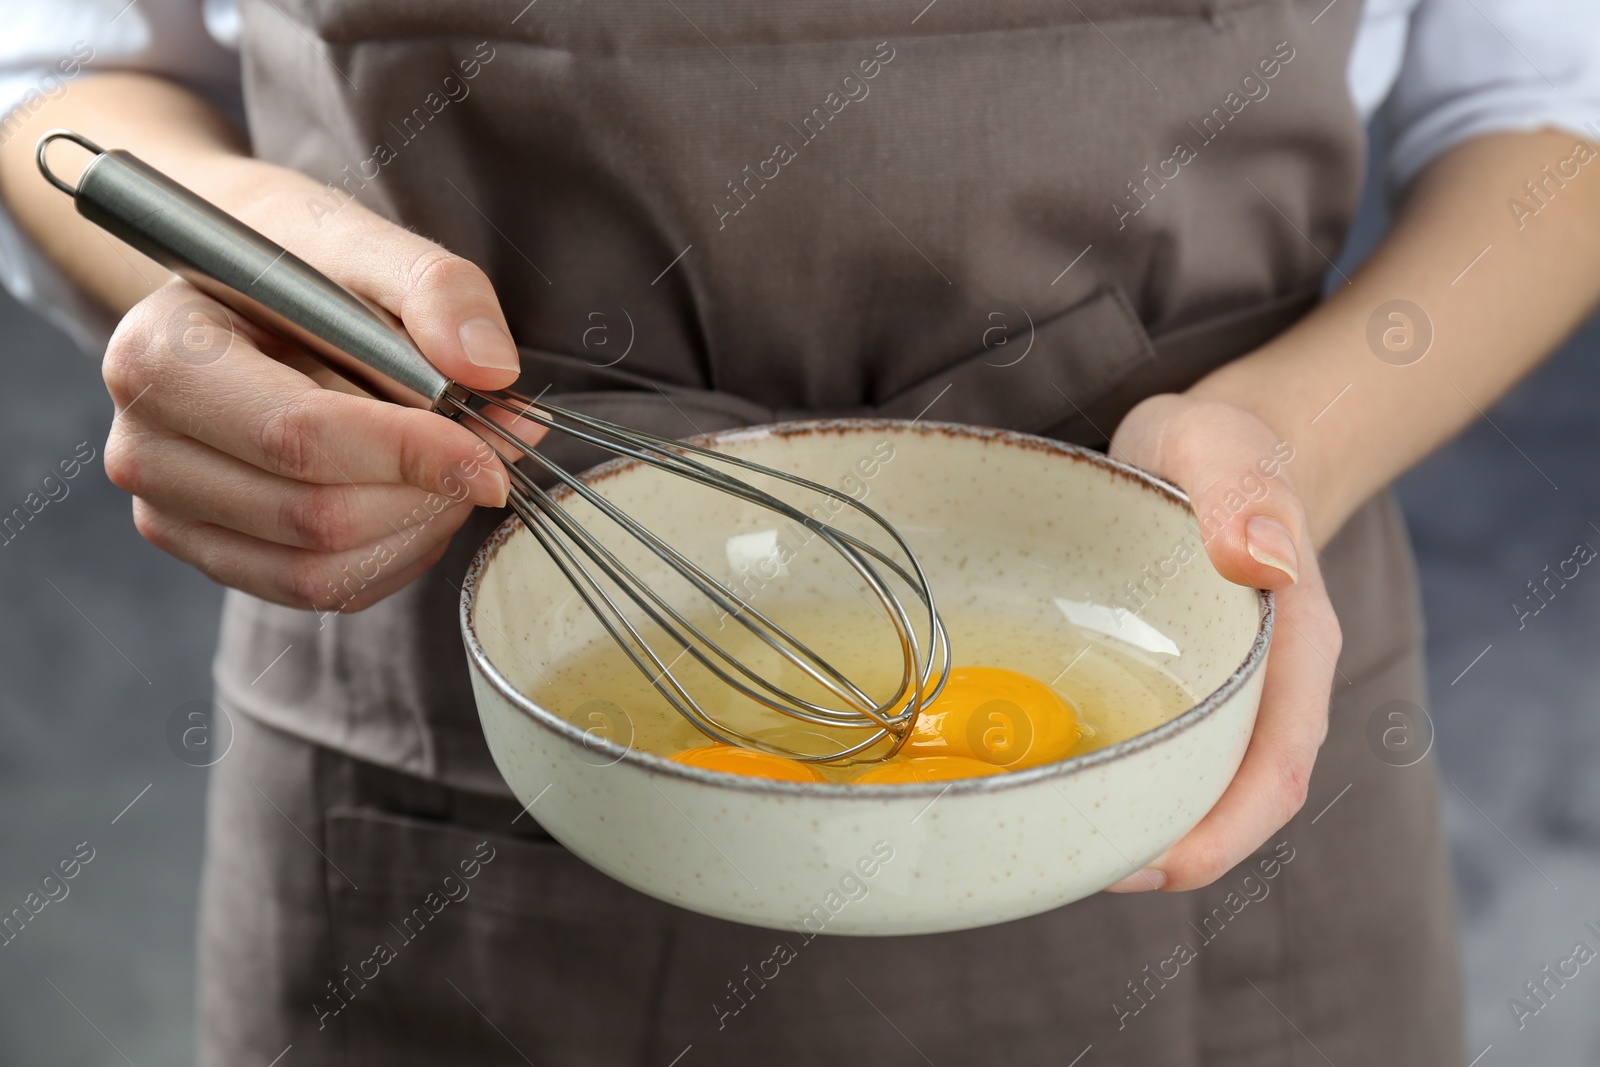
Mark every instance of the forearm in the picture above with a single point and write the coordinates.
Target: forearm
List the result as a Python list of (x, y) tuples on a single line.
[(1357, 421), (156, 119)]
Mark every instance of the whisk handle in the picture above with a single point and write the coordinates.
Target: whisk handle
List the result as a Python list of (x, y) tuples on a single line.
[(250, 274)]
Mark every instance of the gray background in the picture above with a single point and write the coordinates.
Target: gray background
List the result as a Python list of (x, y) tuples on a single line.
[(102, 637)]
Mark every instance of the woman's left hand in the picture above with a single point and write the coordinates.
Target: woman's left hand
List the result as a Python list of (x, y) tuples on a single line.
[(1221, 455)]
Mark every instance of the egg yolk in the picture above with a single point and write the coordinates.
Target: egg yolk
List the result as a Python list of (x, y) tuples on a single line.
[(986, 720), (730, 759), (926, 769), (995, 715)]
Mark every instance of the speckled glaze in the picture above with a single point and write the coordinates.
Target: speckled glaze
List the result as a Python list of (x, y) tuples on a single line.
[(984, 509)]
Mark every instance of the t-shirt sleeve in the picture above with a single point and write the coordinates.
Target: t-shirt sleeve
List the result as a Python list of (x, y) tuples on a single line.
[(1473, 67), (46, 48)]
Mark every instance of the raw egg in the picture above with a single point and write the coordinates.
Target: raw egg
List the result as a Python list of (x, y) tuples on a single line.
[(986, 720), (730, 759), (998, 716), (900, 771)]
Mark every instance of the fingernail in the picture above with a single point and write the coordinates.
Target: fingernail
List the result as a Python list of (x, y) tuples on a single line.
[(487, 487), (1141, 881), (488, 346), (1269, 542)]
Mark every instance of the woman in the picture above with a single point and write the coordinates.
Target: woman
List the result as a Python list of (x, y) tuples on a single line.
[(817, 209)]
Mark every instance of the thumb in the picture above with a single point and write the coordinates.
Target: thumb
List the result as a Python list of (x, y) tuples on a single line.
[(1235, 470), (1256, 540), (446, 302)]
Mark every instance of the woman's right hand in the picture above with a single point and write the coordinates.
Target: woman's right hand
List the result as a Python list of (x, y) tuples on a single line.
[(250, 462)]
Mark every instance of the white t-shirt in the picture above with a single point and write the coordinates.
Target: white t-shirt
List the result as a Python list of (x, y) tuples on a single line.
[(1448, 70)]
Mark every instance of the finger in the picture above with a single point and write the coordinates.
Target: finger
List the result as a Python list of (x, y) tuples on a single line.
[(1236, 474), (1270, 786), (189, 480), (254, 408), (445, 302), (1254, 536), (295, 577)]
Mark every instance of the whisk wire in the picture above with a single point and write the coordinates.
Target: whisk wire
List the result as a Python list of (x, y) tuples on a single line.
[(890, 718), (658, 673), (641, 592), (724, 598), (582, 582), (656, 450)]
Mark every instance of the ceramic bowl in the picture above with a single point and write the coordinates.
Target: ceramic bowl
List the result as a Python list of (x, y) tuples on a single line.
[(993, 516)]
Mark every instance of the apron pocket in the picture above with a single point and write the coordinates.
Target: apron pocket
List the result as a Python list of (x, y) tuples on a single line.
[(1066, 363), (453, 945)]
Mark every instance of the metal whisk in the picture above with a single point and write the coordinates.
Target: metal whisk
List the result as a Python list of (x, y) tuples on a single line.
[(260, 280)]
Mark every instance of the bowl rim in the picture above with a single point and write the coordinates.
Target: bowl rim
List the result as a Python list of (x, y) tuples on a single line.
[(1203, 709)]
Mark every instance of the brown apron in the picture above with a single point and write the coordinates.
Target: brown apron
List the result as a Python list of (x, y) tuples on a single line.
[(700, 216)]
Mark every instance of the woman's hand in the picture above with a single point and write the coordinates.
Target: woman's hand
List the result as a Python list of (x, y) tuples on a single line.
[(264, 471), (1487, 327), (1218, 454)]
